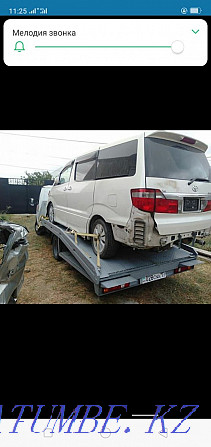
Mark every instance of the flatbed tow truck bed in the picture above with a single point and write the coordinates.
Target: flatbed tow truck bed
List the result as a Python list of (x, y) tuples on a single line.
[(127, 269)]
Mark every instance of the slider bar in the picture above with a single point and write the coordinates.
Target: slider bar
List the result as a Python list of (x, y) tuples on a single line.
[(102, 46)]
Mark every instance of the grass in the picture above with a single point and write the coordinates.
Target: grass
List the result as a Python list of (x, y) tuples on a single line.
[(47, 281), (5, 216)]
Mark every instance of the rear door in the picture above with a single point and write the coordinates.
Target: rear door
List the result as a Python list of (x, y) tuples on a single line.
[(179, 171), (80, 193), (118, 171)]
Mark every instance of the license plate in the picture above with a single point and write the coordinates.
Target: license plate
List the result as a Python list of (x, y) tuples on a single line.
[(191, 204), (153, 277)]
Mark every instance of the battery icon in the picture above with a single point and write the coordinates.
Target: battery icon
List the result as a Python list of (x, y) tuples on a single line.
[(195, 10)]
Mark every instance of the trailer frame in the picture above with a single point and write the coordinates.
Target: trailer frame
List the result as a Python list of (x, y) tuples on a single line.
[(129, 268)]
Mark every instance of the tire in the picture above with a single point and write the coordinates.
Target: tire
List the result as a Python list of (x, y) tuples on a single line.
[(108, 246), (39, 230), (51, 213), (56, 248), (13, 299)]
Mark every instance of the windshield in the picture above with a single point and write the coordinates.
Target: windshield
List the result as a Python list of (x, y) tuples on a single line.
[(168, 159)]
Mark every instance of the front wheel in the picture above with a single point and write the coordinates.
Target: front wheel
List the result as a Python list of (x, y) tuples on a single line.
[(51, 213), (39, 229), (107, 245)]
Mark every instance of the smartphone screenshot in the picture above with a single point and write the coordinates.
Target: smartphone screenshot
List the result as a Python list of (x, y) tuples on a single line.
[(79, 80), (105, 199)]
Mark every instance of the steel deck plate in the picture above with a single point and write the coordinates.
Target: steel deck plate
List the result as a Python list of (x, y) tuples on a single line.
[(136, 263)]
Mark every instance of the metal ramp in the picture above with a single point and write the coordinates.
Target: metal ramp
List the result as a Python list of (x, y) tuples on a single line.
[(128, 268)]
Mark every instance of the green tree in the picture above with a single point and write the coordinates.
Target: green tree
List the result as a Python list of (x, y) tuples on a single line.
[(37, 178)]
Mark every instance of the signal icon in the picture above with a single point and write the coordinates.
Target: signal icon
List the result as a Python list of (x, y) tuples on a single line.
[(33, 11)]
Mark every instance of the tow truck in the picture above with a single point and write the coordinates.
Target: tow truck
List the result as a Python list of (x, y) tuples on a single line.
[(129, 268)]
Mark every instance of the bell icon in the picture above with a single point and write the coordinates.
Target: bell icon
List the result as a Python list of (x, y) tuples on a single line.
[(19, 46)]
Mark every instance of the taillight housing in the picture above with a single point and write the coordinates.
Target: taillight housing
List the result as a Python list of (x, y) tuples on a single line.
[(207, 206), (153, 200), (188, 140), (183, 269), (112, 289), (143, 199)]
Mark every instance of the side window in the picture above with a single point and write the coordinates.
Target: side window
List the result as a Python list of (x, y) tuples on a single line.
[(65, 175), (85, 170), (117, 161)]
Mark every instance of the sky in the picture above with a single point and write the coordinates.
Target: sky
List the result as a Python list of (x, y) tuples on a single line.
[(50, 150)]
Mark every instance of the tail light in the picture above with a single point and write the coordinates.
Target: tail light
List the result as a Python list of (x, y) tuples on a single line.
[(183, 269), (152, 200), (143, 199), (120, 287), (206, 205), (188, 140)]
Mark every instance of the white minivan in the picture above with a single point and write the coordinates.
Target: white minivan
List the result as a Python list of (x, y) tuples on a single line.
[(147, 191)]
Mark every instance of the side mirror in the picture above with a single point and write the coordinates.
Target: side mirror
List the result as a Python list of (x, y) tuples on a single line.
[(56, 181)]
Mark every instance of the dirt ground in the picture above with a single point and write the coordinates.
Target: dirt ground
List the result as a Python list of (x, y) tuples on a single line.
[(47, 281)]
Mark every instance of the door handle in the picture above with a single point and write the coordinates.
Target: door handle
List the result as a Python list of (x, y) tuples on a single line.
[(67, 189)]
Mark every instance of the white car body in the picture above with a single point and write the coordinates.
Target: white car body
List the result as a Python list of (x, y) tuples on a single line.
[(155, 170), (43, 201)]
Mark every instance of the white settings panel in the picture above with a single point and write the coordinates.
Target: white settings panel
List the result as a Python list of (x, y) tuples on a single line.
[(105, 42)]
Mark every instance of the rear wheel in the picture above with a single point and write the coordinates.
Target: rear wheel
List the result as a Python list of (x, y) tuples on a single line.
[(107, 245), (13, 299), (56, 248)]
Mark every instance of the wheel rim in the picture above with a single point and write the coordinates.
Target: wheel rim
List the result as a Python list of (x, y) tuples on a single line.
[(51, 214), (99, 229)]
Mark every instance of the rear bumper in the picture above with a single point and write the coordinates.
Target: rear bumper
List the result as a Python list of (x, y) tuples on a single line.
[(167, 224), (146, 239), (145, 233)]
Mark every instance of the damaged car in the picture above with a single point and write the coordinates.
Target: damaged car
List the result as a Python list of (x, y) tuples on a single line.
[(13, 257), (147, 192)]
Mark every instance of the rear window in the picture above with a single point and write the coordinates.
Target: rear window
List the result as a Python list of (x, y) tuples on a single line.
[(117, 161), (167, 159)]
